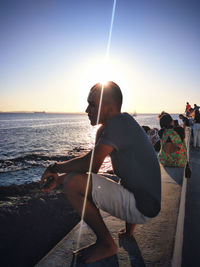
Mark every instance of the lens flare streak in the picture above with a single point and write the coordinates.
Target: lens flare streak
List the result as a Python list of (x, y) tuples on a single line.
[(97, 122)]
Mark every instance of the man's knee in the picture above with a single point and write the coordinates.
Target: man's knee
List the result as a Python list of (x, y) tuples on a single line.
[(75, 182)]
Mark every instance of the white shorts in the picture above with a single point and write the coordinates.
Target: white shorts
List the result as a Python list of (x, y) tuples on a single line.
[(116, 200)]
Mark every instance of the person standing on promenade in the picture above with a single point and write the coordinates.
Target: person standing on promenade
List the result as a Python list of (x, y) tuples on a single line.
[(187, 109), (196, 107), (196, 129), (137, 197)]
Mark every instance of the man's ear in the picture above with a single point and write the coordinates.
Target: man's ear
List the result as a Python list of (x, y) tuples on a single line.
[(110, 109)]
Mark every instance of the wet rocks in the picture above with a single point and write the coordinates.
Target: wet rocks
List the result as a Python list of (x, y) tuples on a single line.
[(32, 222)]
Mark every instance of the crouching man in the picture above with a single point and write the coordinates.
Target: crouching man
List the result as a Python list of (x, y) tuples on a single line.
[(137, 198)]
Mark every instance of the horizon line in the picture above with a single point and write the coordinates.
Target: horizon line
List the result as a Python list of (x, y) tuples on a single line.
[(82, 113)]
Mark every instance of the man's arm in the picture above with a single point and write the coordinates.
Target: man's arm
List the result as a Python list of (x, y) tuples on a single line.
[(80, 164)]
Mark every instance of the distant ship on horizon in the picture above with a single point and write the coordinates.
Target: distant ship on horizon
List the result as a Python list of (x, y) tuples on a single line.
[(39, 112)]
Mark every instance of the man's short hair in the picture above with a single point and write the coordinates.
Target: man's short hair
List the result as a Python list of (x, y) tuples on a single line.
[(111, 91)]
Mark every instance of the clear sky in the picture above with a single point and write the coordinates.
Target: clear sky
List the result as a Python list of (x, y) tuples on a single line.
[(53, 51)]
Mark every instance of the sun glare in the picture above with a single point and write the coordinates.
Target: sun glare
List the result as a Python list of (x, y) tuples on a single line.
[(102, 71)]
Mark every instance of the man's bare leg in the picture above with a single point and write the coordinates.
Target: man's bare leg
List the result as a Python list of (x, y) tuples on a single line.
[(105, 246), (127, 231)]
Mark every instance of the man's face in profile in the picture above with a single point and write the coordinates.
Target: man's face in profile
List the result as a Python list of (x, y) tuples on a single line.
[(93, 106)]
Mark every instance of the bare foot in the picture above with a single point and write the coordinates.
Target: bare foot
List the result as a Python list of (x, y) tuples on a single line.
[(96, 252)]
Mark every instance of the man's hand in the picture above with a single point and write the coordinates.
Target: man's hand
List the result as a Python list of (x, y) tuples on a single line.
[(44, 180)]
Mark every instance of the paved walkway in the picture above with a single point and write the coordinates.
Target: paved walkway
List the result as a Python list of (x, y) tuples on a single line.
[(191, 241)]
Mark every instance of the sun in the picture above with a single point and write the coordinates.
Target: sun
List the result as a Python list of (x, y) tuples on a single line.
[(101, 70)]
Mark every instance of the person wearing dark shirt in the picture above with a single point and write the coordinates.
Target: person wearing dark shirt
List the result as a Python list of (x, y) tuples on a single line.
[(196, 107), (196, 129), (136, 199)]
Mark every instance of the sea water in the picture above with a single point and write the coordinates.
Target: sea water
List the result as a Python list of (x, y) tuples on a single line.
[(29, 142)]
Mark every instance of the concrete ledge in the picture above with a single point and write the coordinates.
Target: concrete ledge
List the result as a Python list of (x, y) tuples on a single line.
[(178, 244)]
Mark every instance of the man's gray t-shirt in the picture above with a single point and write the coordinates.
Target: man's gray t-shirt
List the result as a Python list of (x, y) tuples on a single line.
[(134, 161)]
